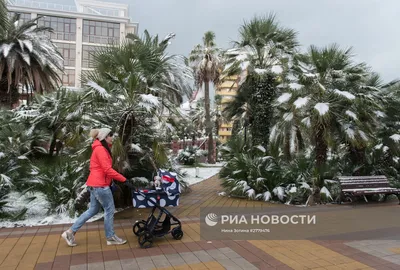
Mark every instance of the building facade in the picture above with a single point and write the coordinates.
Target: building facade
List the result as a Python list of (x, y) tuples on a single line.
[(78, 30), (226, 90)]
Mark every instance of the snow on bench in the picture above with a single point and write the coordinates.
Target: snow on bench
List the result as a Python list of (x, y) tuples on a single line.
[(352, 186)]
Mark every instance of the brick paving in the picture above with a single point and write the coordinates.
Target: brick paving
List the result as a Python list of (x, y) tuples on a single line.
[(43, 248)]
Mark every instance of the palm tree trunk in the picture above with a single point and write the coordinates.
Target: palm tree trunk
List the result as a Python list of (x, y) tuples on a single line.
[(245, 134), (210, 155), (321, 149), (262, 110), (357, 156)]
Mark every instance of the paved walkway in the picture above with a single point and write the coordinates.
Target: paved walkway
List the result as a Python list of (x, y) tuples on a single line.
[(43, 248)]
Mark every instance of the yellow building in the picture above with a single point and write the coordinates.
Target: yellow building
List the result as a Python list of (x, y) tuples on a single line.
[(227, 90)]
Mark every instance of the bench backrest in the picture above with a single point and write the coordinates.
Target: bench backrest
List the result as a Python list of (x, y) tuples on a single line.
[(359, 182)]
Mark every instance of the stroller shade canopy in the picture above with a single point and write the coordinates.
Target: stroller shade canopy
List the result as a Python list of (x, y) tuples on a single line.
[(168, 196)]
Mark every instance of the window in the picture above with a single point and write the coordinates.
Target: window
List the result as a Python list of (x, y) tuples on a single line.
[(101, 32), (64, 28), (87, 55), (68, 51), (23, 17), (68, 78)]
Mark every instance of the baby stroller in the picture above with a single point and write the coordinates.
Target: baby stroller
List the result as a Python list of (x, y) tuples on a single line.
[(166, 194)]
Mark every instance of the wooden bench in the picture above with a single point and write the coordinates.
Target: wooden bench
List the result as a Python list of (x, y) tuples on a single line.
[(357, 186)]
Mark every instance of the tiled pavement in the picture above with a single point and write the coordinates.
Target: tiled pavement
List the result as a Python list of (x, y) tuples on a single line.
[(43, 248)]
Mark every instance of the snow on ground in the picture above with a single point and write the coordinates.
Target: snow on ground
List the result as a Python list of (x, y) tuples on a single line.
[(36, 214), (204, 173)]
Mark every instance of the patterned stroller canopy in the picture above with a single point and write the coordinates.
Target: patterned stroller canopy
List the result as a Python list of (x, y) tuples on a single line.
[(169, 184)]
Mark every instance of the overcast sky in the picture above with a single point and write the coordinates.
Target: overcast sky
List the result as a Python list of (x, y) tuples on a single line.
[(371, 27)]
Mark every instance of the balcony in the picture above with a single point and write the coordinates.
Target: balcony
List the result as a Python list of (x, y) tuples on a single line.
[(225, 93), (228, 84), (62, 36), (100, 39), (41, 5), (82, 6), (226, 125), (224, 133)]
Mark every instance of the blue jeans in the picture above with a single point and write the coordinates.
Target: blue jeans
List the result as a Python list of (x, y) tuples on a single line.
[(99, 196)]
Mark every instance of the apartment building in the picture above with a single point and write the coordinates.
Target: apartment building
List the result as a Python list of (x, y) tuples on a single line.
[(227, 90), (78, 30)]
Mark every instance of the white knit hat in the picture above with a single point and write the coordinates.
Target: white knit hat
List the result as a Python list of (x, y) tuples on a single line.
[(100, 134)]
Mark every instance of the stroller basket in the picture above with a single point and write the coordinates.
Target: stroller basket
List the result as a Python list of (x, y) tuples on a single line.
[(167, 196)]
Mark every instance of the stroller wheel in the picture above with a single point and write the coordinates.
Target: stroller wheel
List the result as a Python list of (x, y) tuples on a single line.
[(177, 234), (138, 227), (145, 239)]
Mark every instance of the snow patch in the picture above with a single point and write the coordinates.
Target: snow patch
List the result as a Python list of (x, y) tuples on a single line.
[(326, 192), (306, 121), (251, 193), (351, 114), (345, 94), (350, 132), (395, 137), (100, 90), (260, 71), (287, 117), (363, 135), (267, 196), (149, 101), (322, 108), (284, 97), (300, 102), (136, 147), (280, 192), (380, 114), (295, 86), (305, 185), (204, 173), (261, 148), (379, 146), (277, 69)]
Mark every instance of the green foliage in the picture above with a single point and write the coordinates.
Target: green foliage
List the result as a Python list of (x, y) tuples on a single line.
[(190, 155), (59, 184), (28, 57)]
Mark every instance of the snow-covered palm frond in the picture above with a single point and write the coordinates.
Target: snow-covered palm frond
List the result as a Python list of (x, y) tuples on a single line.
[(279, 192), (98, 89), (149, 102)]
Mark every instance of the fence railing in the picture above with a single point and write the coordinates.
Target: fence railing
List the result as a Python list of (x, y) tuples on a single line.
[(41, 5), (112, 12)]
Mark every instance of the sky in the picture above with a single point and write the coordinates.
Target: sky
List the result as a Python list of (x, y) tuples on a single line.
[(369, 26)]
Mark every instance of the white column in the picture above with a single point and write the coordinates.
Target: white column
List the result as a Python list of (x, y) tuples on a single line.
[(78, 60), (33, 16), (122, 31)]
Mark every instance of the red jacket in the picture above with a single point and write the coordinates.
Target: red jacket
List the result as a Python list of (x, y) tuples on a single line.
[(101, 171)]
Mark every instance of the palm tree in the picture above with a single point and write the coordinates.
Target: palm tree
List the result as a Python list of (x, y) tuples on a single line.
[(59, 115), (28, 58), (261, 56), (325, 103), (205, 60), (132, 83)]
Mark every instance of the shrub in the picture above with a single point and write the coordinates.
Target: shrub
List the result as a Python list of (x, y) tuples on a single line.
[(190, 155), (60, 184)]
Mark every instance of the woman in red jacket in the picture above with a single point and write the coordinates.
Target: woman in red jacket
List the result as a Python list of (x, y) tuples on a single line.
[(98, 184)]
